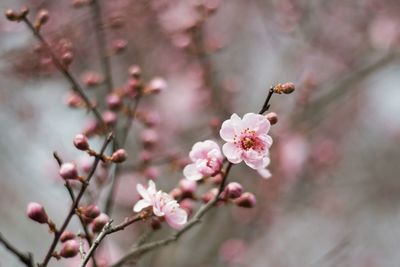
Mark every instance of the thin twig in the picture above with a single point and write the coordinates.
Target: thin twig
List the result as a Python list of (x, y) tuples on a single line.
[(124, 135), (72, 195), (107, 229), (26, 258), (102, 44), (75, 204), (75, 85)]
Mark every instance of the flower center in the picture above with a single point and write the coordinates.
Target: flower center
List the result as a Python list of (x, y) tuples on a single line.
[(248, 143)]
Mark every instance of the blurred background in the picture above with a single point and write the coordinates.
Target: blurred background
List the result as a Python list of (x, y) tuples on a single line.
[(334, 197)]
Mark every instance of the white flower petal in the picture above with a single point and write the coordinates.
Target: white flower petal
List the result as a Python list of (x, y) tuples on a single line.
[(232, 152), (140, 205), (191, 173)]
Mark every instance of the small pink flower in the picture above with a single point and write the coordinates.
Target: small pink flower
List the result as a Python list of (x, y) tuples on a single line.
[(163, 205), (247, 139), (207, 160)]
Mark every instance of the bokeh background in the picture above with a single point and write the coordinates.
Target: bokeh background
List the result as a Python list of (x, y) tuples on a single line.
[(334, 198)]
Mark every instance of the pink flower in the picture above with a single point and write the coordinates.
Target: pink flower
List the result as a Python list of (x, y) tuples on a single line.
[(247, 139), (163, 205), (207, 160)]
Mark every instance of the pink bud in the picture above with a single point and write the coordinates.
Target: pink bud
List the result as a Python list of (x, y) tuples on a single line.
[(73, 100), (149, 137), (135, 71), (91, 128), (43, 16), (217, 179), (67, 235), (99, 222), (176, 193), (246, 200), (272, 117), (188, 187), (114, 102), (81, 142), (119, 156), (68, 171), (119, 45), (37, 213), (91, 211), (151, 119), (233, 190), (146, 156), (187, 205), (69, 249), (109, 117), (67, 58), (151, 172), (91, 79), (209, 195), (157, 85)]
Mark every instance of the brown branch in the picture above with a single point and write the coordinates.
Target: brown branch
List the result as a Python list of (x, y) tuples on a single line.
[(75, 204), (107, 229), (67, 74), (26, 258), (72, 195), (131, 117)]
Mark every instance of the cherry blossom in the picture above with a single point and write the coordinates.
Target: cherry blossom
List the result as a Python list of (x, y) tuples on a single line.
[(247, 140), (207, 160), (163, 205)]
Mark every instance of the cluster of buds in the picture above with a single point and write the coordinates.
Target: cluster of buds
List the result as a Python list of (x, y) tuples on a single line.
[(13, 15)]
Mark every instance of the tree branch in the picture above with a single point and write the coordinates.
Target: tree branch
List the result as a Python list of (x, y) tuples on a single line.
[(26, 258), (75, 204)]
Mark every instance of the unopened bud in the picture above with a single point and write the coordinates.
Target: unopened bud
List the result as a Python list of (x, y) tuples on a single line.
[(36, 212), (119, 45), (68, 171), (109, 117), (91, 211), (67, 58), (99, 222), (135, 71), (119, 156), (188, 187), (69, 249), (23, 12), (156, 85), (151, 173), (176, 193), (73, 100), (149, 137), (272, 117), (187, 205), (42, 17), (114, 101), (81, 142), (91, 79), (11, 15), (210, 195), (246, 200), (67, 235), (286, 88), (233, 190)]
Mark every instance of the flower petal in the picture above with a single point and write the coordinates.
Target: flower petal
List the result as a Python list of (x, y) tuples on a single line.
[(140, 205), (232, 152), (264, 173), (191, 173)]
